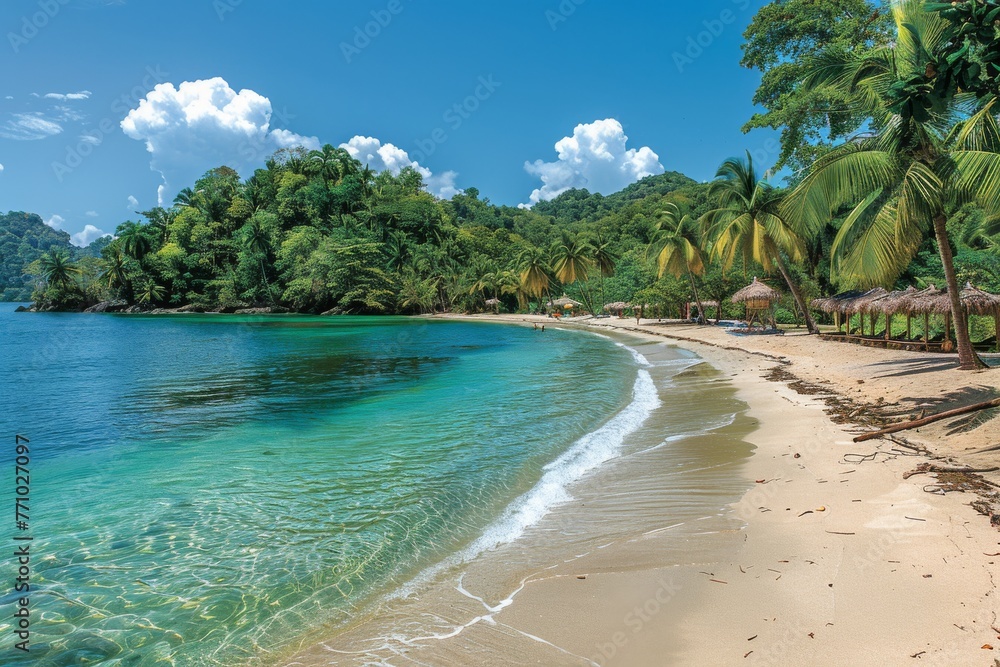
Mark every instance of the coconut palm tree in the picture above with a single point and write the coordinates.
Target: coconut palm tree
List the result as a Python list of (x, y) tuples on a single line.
[(57, 269), (534, 272), (927, 152), (572, 262), (675, 245), (604, 260), (258, 241), (151, 293), (134, 239), (749, 224)]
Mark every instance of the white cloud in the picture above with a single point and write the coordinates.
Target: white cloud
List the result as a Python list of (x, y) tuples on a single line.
[(199, 125), (388, 157), (87, 236), (132, 204), (596, 158), (91, 214), (29, 127), (1, 168), (55, 222), (82, 95), (90, 139)]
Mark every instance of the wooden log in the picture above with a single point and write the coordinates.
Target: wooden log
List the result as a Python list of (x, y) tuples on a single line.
[(906, 426)]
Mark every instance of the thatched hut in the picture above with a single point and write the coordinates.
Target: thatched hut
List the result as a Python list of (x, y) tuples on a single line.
[(759, 300), (865, 305), (617, 308), (836, 305), (564, 303), (974, 301), (892, 304)]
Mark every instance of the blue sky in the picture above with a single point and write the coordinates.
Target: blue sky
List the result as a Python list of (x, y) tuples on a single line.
[(523, 74)]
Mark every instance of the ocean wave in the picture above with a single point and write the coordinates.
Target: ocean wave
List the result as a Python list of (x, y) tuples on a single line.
[(586, 454)]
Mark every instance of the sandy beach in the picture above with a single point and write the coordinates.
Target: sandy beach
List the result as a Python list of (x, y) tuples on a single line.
[(830, 557)]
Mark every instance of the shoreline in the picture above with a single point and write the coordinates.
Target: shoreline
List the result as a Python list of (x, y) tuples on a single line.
[(843, 561)]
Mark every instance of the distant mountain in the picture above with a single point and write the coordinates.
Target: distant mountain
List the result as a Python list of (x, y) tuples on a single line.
[(23, 239), (574, 205)]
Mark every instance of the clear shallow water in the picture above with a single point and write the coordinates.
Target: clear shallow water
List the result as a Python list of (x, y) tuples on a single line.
[(206, 489)]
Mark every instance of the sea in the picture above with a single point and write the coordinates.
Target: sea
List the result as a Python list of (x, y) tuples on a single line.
[(206, 490)]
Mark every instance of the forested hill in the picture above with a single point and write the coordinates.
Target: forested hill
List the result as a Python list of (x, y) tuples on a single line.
[(23, 239), (228, 242), (575, 205)]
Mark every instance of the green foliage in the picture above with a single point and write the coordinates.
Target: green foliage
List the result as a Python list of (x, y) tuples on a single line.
[(782, 38)]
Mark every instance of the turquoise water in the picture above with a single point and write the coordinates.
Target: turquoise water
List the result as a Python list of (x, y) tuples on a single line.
[(207, 489)]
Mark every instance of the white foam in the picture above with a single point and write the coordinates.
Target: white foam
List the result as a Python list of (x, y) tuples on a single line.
[(584, 456)]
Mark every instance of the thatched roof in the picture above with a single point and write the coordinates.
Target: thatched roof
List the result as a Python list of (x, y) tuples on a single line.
[(978, 302), (705, 304), (756, 291), (892, 303), (921, 302), (836, 304), (493, 302), (975, 301), (564, 301), (617, 306), (866, 302)]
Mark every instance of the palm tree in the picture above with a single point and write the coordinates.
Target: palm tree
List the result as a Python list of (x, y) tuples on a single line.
[(604, 260), (572, 262), (116, 273), (151, 293), (534, 272), (57, 268), (749, 224), (258, 241), (676, 247), (927, 152), (135, 242)]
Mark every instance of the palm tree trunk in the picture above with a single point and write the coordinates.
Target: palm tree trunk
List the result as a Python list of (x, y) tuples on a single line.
[(263, 274), (796, 294), (697, 298), (967, 358)]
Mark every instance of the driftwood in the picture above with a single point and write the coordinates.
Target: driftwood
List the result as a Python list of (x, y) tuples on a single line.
[(927, 467), (906, 426)]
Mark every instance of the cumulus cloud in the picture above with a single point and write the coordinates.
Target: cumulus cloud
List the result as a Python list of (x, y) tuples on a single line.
[(388, 157), (82, 95), (132, 203), (55, 222), (1, 168), (199, 125), (29, 127), (87, 236), (596, 158)]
